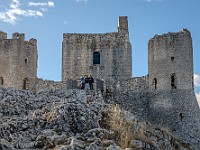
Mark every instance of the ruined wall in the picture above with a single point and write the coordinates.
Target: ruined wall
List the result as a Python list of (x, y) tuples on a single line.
[(166, 102), (43, 84), (18, 61), (115, 55), (177, 110), (136, 84), (132, 95)]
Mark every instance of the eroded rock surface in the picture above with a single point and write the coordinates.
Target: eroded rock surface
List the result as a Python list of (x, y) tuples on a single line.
[(74, 120)]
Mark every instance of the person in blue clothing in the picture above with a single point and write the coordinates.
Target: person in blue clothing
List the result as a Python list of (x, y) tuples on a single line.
[(83, 82)]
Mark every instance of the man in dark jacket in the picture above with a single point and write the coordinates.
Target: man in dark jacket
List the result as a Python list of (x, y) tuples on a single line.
[(91, 81)]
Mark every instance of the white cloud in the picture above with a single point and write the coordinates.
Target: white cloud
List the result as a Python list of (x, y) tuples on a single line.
[(14, 11), (197, 80), (198, 98), (48, 4)]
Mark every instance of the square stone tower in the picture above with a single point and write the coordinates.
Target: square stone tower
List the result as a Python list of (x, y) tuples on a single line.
[(107, 57), (170, 61), (172, 101), (18, 62)]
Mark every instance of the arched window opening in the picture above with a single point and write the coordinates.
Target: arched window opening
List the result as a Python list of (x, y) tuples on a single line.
[(96, 58), (155, 83), (1, 81), (26, 60), (25, 84), (173, 85)]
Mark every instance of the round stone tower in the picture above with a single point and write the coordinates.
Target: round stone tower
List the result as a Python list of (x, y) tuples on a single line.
[(172, 101)]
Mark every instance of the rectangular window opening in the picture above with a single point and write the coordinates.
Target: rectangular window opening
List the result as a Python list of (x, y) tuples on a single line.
[(96, 58)]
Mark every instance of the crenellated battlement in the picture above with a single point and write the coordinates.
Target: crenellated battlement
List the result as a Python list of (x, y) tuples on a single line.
[(19, 36), (32, 42), (16, 36)]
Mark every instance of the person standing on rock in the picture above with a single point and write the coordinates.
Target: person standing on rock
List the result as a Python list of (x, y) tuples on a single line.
[(87, 86), (91, 81), (82, 82)]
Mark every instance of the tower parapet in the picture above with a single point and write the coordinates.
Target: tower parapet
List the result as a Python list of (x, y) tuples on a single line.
[(32, 42), (17, 35)]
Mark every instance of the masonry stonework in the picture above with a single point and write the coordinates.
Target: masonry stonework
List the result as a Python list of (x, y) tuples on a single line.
[(172, 101), (18, 61), (170, 61), (115, 56), (164, 97)]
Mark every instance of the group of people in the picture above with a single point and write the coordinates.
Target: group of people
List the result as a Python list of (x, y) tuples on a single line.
[(87, 82)]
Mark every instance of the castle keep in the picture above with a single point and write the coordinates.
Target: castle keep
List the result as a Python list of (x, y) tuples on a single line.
[(107, 57), (165, 96)]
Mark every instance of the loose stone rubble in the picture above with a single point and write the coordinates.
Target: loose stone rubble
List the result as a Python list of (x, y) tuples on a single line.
[(74, 120)]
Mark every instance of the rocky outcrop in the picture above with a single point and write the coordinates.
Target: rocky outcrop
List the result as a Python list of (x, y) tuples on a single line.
[(132, 133), (74, 120)]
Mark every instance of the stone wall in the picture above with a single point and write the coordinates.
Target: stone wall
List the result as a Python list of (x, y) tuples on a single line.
[(172, 101), (132, 95), (177, 110), (43, 84), (170, 55), (115, 55), (136, 84), (18, 61)]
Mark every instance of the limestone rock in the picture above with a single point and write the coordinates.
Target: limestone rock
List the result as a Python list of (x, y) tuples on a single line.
[(66, 119)]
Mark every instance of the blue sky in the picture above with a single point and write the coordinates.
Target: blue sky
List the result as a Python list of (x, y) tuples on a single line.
[(48, 20)]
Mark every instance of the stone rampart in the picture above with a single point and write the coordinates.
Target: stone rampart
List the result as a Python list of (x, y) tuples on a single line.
[(43, 84), (136, 84), (132, 95)]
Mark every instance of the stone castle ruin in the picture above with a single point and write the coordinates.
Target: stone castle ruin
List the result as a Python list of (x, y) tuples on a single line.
[(165, 96), (18, 61), (107, 57)]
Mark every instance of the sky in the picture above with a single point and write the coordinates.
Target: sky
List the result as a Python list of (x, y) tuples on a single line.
[(47, 20)]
